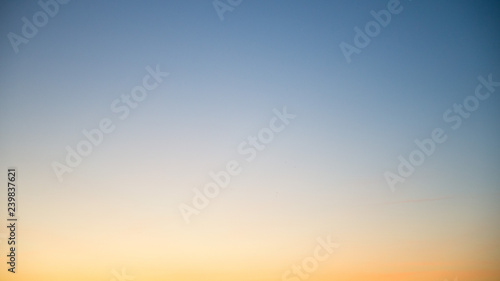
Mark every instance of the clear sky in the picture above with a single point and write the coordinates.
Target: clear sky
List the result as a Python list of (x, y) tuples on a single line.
[(323, 174)]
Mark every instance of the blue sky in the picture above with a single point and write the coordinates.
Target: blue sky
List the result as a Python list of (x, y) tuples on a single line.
[(353, 119)]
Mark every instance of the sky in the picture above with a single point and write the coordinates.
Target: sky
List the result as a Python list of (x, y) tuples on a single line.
[(175, 92)]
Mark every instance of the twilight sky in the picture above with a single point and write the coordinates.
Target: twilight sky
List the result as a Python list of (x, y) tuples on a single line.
[(321, 175)]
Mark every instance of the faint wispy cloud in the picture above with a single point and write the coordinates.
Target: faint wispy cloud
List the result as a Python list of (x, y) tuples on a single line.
[(416, 200)]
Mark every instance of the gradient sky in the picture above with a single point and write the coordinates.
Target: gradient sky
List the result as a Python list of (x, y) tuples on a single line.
[(323, 175)]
